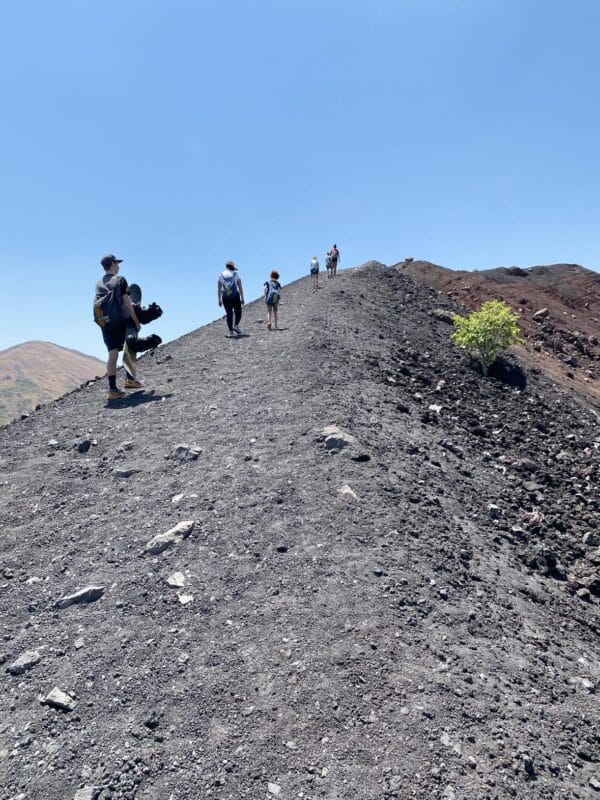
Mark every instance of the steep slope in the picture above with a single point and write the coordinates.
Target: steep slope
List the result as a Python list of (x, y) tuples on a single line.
[(559, 307), (38, 372), (414, 614)]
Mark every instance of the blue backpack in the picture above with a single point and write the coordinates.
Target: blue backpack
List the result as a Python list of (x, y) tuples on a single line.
[(108, 303), (229, 287), (273, 293)]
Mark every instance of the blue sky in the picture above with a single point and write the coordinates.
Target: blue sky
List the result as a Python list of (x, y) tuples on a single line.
[(181, 134)]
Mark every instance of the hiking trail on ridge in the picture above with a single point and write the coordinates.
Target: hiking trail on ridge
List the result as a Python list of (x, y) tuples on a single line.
[(380, 579)]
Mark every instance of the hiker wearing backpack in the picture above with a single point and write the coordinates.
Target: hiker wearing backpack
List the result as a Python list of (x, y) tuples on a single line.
[(113, 310), (230, 293), (334, 255), (314, 272), (272, 297)]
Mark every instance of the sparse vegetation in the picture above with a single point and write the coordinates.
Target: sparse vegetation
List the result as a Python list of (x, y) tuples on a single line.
[(487, 332)]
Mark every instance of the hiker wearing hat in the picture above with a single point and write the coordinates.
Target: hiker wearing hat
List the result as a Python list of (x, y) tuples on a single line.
[(113, 309), (230, 294)]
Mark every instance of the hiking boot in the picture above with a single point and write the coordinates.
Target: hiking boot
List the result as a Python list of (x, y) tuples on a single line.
[(131, 383), (115, 394), (268, 326), (236, 329)]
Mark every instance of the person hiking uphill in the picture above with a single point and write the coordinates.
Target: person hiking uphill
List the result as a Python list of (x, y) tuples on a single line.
[(314, 272), (112, 311), (272, 294), (334, 256), (230, 294)]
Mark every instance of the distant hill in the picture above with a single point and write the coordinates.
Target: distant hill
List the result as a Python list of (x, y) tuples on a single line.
[(38, 372), (559, 306)]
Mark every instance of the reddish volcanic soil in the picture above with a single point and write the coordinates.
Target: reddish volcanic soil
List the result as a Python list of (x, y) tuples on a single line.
[(564, 342)]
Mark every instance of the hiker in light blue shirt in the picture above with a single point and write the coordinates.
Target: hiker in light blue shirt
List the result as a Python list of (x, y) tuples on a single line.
[(314, 272)]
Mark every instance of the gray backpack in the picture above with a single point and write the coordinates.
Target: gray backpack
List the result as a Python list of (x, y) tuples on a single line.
[(108, 303)]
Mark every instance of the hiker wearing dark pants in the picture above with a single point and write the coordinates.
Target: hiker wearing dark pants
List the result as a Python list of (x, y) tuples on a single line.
[(230, 294)]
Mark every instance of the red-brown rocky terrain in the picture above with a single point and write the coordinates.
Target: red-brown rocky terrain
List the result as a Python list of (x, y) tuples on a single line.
[(329, 562), (559, 307)]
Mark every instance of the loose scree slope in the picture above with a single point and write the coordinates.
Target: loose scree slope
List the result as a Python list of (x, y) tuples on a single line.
[(403, 607)]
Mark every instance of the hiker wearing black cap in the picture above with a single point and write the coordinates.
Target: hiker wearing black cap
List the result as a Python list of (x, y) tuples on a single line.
[(113, 309), (230, 294)]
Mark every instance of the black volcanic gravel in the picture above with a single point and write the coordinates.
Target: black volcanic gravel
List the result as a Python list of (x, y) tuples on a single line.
[(414, 615)]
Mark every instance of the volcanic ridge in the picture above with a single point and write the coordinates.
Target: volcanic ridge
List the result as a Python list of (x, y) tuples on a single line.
[(330, 561)]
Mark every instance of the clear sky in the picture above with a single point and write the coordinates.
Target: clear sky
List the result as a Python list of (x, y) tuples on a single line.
[(179, 134)]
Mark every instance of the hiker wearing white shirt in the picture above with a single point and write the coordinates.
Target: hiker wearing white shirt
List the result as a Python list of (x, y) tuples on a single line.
[(314, 272)]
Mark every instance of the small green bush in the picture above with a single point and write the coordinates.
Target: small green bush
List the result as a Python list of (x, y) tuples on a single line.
[(487, 332)]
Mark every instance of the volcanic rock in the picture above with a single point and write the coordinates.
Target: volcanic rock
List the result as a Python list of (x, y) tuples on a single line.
[(163, 541), (337, 439), (86, 793), (59, 700), (86, 595), (24, 662), (185, 452)]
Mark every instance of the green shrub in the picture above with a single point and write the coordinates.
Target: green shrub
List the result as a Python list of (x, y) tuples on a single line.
[(487, 332)]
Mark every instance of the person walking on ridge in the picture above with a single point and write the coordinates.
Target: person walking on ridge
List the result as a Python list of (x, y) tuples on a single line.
[(112, 311), (230, 294), (272, 294), (334, 255), (314, 272)]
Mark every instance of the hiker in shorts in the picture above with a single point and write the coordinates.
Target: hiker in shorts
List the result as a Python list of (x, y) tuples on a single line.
[(334, 255), (314, 272), (114, 330), (230, 294), (272, 292)]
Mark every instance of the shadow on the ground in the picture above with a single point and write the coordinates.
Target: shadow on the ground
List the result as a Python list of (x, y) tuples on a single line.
[(508, 372), (137, 399)]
